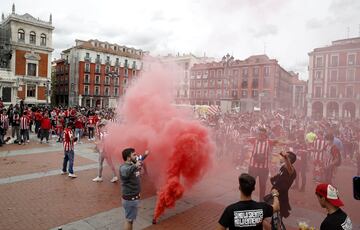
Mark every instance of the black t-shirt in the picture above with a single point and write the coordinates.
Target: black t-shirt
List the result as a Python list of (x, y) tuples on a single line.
[(336, 221), (245, 215), (282, 182)]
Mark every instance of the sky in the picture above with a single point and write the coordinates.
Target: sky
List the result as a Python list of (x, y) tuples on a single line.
[(286, 30)]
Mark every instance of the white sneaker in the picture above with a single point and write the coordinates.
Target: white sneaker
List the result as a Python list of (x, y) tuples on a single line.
[(28, 141), (114, 179), (72, 175), (63, 173), (97, 179)]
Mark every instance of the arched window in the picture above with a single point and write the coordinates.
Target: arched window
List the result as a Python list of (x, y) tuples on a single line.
[(32, 37), (43, 39), (21, 35)]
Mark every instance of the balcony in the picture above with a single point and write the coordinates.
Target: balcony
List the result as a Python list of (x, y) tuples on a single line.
[(108, 62), (87, 59), (98, 60)]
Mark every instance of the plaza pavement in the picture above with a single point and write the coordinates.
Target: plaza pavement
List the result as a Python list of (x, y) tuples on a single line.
[(35, 196)]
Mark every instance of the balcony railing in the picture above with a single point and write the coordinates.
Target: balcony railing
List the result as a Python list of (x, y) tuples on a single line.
[(107, 62), (98, 60), (87, 59), (117, 63)]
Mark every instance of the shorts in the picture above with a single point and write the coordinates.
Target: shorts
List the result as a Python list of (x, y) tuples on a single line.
[(130, 208)]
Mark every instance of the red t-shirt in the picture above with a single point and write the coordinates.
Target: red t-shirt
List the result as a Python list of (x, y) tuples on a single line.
[(46, 123)]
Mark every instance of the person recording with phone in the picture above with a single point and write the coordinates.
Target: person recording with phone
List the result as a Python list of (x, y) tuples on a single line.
[(130, 184), (282, 183)]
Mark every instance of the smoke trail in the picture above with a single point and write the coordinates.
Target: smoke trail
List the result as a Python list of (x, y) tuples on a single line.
[(180, 147)]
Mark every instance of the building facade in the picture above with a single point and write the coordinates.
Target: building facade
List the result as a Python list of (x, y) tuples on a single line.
[(95, 73), (254, 82), (298, 94), (334, 80), (26, 69), (183, 64)]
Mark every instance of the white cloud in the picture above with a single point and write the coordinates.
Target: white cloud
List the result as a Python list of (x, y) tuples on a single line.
[(289, 29)]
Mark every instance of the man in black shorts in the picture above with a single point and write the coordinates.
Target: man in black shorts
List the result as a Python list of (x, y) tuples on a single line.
[(336, 219), (247, 213)]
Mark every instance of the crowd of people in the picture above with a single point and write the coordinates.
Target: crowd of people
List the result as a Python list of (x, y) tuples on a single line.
[(252, 140)]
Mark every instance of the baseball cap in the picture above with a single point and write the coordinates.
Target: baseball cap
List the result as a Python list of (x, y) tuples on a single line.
[(330, 193)]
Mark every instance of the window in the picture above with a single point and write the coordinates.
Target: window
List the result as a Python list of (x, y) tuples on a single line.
[(234, 93), (97, 69), (244, 93), (107, 80), (245, 72), (31, 91), (32, 37), (211, 93), (236, 72), (219, 73), (116, 81), (319, 62), (205, 93), (87, 55), (86, 78), (267, 82), (255, 83), (332, 91), (318, 91), (349, 91), (107, 58), (116, 91), (212, 73), (126, 63), (97, 79), (97, 91), (205, 83), (31, 69), (86, 90), (107, 91), (333, 75), (107, 70), (87, 67), (255, 93), (219, 83), (116, 61), (318, 75), (218, 93), (256, 71), (244, 83), (334, 60), (125, 81), (134, 65), (351, 59), (212, 83), (43, 39), (198, 84), (21, 35), (350, 76), (134, 73), (198, 94), (266, 71), (126, 72)]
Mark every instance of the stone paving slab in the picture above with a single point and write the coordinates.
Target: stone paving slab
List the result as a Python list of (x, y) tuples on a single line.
[(39, 162)]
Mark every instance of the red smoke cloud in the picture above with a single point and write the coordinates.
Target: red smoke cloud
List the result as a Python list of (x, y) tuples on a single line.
[(180, 147)]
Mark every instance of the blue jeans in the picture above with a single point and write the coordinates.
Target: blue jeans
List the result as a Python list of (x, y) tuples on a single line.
[(78, 133), (69, 156)]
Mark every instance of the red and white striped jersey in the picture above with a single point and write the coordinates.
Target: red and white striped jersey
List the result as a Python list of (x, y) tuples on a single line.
[(68, 139), (260, 153), (3, 121), (319, 146), (24, 122)]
